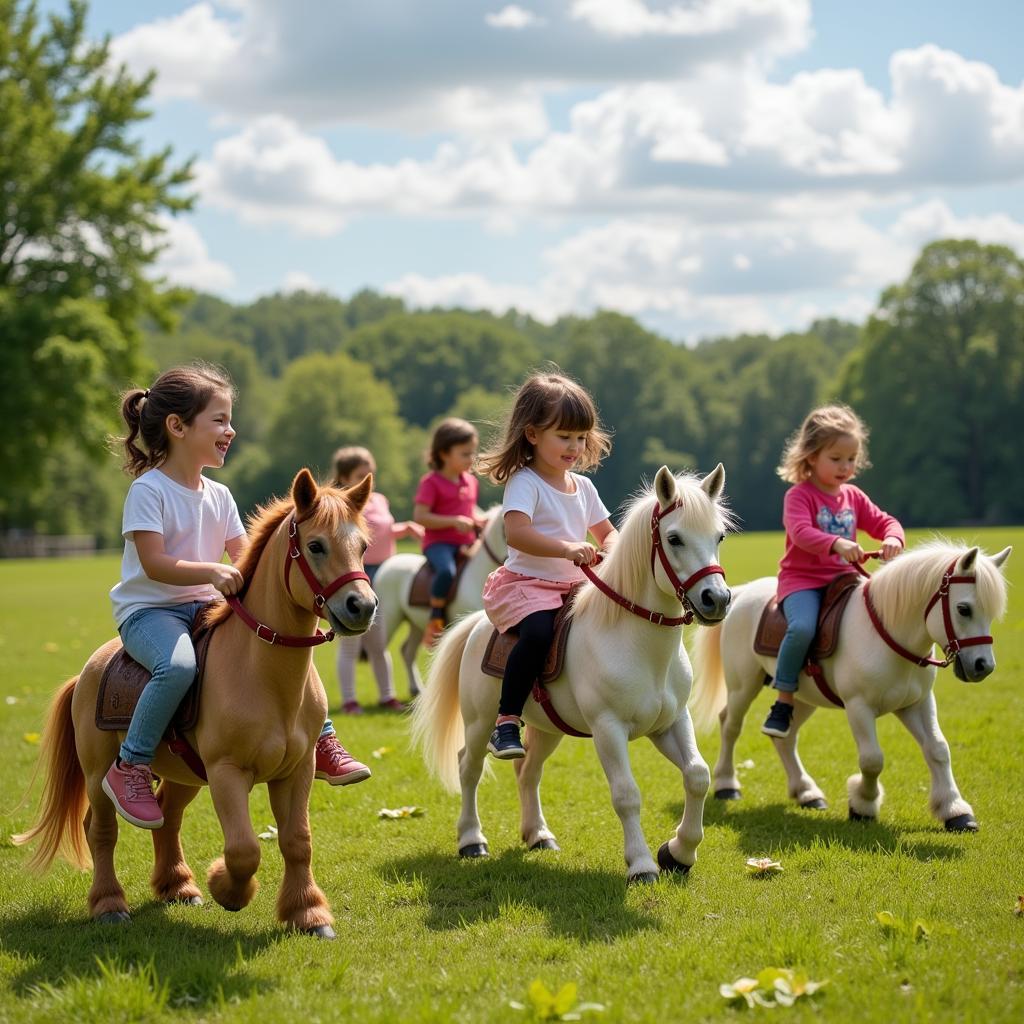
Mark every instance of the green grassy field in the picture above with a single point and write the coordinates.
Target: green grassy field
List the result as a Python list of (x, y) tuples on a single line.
[(424, 937)]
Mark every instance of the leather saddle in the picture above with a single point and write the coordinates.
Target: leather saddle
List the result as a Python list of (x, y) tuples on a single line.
[(500, 645), (124, 680), (419, 590), (772, 626)]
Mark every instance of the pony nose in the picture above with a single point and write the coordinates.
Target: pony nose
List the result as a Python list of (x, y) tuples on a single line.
[(708, 599), (982, 667), (358, 606)]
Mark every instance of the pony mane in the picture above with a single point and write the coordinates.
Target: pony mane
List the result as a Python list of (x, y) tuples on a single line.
[(901, 588), (627, 566), (332, 507)]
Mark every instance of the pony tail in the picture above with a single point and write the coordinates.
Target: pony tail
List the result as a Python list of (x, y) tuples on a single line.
[(136, 461)]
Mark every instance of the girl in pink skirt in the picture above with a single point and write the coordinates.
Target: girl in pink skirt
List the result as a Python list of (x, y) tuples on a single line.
[(553, 428)]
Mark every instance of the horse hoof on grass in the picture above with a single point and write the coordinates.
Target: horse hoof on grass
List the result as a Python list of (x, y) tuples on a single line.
[(545, 844), (668, 863), (115, 917), (474, 850), (816, 804), (962, 823), (643, 878), (727, 794), (323, 931), (857, 816)]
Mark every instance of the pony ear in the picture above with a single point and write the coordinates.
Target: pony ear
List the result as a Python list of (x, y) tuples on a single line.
[(966, 561), (360, 494), (304, 493), (665, 487), (1001, 557), (714, 483)]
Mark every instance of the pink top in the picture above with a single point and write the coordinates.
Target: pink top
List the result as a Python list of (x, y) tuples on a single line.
[(446, 497), (380, 523), (813, 520)]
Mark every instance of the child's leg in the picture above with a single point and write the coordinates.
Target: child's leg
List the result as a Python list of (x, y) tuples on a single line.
[(334, 763), (375, 645), (442, 559), (348, 655), (801, 611), (524, 665)]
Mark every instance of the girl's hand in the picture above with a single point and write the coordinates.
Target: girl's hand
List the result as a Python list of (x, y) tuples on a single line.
[(411, 529), (464, 523), (226, 578), (582, 553), (891, 547), (848, 550)]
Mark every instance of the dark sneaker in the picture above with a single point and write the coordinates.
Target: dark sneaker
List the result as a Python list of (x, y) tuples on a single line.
[(393, 704), (130, 788), (504, 742), (336, 765), (779, 720)]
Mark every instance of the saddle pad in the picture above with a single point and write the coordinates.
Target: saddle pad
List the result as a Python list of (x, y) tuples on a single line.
[(772, 627), (419, 591), (124, 680), (500, 645)]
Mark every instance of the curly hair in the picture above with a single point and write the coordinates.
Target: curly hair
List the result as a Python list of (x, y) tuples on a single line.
[(821, 427)]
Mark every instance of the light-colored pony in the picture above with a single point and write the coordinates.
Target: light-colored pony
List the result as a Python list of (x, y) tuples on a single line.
[(624, 677), (261, 710), (394, 581), (869, 676)]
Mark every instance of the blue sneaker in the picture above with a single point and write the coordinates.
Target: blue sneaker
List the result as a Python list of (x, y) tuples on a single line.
[(779, 720), (505, 743)]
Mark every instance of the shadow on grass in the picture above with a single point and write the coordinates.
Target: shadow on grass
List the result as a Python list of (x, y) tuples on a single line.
[(583, 903), (781, 825), (200, 965)]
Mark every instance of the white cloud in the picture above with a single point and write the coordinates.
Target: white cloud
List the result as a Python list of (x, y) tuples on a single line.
[(513, 17), (933, 220), (186, 261), (300, 281)]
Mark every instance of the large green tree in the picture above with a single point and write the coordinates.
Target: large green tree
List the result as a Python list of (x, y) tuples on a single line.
[(80, 208), (940, 379)]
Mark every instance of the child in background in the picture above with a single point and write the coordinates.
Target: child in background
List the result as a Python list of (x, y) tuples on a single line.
[(350, 466), (553, 429), (445, 505), (822, 512)]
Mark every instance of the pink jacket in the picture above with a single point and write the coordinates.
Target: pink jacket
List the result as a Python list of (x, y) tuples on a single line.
[(813, 520), (381, 524)]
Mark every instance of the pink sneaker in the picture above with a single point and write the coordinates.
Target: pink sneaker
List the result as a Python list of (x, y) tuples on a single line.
[(393, 704), (336, 765), (352, 707), (130, 788)]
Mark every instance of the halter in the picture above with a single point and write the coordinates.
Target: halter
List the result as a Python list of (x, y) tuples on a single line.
[(953, 643), (320, 596), (680, 587)]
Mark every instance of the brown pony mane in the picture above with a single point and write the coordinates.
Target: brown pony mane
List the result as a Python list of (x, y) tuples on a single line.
[(331, 507)]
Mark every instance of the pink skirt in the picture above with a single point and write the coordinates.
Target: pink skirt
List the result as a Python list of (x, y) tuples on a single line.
[(510, 597)]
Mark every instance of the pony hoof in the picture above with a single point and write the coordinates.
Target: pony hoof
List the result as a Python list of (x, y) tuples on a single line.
[(474, 850), (816, 804), (323, 931), (545, 844), (115, 917), (857, 816), (962, 823), (642, 878), (727, 794), (668, 863)]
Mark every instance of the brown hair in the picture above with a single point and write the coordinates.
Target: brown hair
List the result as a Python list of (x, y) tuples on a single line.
[(821, 427), (447, 434), (184, 391), (545, 400), (347, 460)]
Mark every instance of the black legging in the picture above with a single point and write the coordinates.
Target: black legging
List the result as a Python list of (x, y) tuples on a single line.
[(526, 660)]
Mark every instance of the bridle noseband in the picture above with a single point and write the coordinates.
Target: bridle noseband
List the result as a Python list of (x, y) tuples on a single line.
[(321, 594), (679, 587)]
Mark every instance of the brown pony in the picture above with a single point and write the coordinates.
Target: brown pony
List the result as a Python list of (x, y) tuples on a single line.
[(261, 711)]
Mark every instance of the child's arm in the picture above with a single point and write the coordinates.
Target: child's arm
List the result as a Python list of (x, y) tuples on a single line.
[(880, 525), (605, 534), (520, 534), (399, 531), (235, 547), (165, 568), (432, 521)]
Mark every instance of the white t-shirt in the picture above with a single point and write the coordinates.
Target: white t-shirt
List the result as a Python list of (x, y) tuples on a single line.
[(196, 526), (554, 514)]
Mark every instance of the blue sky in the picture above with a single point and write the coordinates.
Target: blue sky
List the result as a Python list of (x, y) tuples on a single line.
[(707, 166)]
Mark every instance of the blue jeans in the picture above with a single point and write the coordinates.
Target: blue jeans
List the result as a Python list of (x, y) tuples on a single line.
[(442, 559), (801, 611), (161, 640)]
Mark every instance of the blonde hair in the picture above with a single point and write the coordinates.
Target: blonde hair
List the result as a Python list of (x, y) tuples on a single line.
[(545, 400), (821, 427), (347, 460)]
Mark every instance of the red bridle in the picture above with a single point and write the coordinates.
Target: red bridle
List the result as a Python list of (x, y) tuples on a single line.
[(320, 596), (680, 587), (953, 643)]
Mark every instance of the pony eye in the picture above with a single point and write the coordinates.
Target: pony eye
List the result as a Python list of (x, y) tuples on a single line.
[(316, 547), (675, 540), (964, 609), (721, 537)]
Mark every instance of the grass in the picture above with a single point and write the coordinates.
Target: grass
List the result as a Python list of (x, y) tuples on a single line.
[(424, 937)]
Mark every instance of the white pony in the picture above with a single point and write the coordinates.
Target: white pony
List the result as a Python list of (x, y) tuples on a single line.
[(625, 675), (937, 593), (394, 581)]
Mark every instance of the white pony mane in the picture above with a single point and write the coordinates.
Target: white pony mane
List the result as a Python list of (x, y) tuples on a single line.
[(627, 566), (901, 588)]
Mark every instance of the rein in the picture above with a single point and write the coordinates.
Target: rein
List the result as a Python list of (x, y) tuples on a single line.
[(320, 596), (679, 586)]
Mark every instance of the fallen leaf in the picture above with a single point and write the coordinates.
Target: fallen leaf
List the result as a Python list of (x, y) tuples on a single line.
[(31, 737), (401, 812), (763, 866)]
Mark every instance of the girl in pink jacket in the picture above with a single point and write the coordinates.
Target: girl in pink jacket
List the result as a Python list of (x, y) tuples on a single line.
[(822, 512)]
